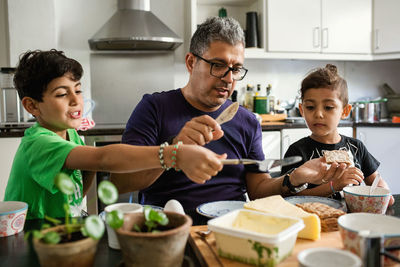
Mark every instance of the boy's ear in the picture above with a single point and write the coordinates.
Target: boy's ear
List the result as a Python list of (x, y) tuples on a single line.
[(346, 111), (301, 109), (30, 105)]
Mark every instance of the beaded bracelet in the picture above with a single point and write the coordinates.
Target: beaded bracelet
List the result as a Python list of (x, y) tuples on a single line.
[(173, 158), (161, 156), (331, 185)]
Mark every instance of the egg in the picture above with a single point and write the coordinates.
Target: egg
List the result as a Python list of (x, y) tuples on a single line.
[(174, 206)]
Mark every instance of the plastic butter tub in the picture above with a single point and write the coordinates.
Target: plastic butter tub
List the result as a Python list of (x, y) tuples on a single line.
[(254, 237)]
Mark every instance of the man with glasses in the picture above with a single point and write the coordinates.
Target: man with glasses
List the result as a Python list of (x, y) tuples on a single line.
[(215, 63)]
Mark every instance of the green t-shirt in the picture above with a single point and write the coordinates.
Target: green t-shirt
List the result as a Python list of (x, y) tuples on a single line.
[(40, 156)]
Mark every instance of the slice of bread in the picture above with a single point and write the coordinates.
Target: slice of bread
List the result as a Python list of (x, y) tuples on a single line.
[(339, 156)]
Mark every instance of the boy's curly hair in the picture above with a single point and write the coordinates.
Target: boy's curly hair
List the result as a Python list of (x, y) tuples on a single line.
[(36, 69), (326, 78)]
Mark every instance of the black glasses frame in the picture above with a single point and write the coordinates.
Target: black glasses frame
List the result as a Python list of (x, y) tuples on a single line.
[(226, 73)]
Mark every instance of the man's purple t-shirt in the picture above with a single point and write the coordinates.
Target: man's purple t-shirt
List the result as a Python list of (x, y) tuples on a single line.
[(161, 116)]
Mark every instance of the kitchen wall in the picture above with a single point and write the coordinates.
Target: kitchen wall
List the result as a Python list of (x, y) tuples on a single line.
[(75, 21), (4, 61)]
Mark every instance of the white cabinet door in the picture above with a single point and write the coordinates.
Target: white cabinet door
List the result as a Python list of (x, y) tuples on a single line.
[(346, 26), (383, 144), (9, 146), (347, 131), (289, 136), (271, 142), (294, 26), (386, 26)]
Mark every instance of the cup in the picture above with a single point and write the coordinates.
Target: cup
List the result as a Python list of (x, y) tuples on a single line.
[(12, 217), (125, 208)]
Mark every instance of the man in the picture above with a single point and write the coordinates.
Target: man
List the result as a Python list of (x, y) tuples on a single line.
[(215, 63)]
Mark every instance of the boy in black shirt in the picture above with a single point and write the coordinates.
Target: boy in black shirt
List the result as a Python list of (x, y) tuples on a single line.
[(324, 98)]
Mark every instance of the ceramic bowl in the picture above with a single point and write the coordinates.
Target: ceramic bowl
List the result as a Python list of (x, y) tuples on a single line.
[(350, 225), (358, 199), (327, 257), (12, 217)]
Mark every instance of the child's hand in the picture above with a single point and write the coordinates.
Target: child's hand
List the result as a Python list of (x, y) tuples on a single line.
[(316, 171), (351, 175), (198, 163)]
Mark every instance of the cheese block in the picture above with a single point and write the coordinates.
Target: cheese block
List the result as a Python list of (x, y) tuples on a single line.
[(277, 205)]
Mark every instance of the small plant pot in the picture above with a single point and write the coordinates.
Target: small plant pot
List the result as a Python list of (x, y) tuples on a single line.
[(75, 253), (165, 248)]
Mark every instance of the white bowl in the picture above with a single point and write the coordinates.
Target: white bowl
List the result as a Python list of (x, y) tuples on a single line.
[(124, 208), (327, 257), (350, 225), (273, 236), (12, 217)]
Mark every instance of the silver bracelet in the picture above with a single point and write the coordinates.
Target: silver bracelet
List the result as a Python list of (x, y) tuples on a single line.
[(161, 156)]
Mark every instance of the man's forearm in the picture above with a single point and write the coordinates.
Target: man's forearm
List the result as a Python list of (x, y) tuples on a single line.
[(129, 182)]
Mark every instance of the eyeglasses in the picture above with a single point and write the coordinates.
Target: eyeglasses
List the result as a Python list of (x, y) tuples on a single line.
[(220, 70)]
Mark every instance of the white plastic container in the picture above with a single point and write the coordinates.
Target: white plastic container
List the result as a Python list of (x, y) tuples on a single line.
[(268, 245)]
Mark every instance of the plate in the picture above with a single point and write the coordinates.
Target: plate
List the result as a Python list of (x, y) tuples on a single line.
[(324, 200), (218, 208)]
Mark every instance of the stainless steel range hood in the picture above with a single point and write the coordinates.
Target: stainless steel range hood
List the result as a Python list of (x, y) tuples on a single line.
[(134, 27)]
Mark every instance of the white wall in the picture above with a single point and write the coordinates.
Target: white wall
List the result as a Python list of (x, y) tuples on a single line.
[(75, 21), (4, 60)]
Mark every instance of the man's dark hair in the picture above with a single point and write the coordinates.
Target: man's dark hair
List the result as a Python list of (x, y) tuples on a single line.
[(36, 69)]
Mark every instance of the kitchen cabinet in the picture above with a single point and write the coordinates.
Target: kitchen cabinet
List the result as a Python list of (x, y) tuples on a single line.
[(384, 143), (319, 26), (9, 146), (271, 143), (386, 26)]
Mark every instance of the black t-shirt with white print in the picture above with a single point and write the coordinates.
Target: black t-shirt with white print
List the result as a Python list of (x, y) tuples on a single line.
[(308, 149)]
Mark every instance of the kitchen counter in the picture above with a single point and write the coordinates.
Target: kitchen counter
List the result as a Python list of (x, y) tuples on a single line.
[(15, 251), (118, 129)]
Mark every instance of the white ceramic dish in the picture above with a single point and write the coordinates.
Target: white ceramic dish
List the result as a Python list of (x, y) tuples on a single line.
[(327, 257), (271, 243), (12, 217), (324, 200), (219, 208)]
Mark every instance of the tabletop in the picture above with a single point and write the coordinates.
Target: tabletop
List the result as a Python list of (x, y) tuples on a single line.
[(15, 251)]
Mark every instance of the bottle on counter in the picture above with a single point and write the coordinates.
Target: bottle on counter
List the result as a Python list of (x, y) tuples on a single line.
[(271, 100), (267, 104), (248, 100), (260, 102)]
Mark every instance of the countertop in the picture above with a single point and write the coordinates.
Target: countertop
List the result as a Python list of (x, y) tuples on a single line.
[(118, 129)]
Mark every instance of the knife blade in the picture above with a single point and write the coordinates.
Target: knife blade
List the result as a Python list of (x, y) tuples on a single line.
[(228, 113), (264, 165)]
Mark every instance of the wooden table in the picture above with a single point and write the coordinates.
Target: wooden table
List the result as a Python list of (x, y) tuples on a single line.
[(207, 258)]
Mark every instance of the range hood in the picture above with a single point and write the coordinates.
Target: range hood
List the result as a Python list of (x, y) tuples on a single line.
[(134, 27)]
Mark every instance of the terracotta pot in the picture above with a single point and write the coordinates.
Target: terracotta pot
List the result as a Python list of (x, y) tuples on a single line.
[(75, 253), (164, 249)]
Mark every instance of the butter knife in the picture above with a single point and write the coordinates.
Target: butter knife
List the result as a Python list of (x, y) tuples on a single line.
[(228, 113), (264, 165)]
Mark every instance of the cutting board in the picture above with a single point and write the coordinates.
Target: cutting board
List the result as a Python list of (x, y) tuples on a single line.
[(207, 258), (273, 117)]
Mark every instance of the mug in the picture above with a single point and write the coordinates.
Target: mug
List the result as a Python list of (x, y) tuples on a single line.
[(124, 208)]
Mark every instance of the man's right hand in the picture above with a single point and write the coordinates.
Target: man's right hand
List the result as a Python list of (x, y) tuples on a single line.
[(200, 131)]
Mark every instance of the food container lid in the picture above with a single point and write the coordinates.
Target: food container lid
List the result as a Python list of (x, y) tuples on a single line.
[(223, 225)]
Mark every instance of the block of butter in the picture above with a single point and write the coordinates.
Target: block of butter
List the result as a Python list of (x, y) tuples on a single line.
[(277, 205)]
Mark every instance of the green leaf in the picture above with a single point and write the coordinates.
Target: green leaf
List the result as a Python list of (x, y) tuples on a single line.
[(107, 192), (52, 238), (153, 218), (115, 219), (137, 228), (94, 227), (84, 232), (64, 183)]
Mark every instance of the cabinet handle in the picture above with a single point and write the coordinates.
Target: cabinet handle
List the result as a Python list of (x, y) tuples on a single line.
[(376, 39), (325, 40), (316, 37)]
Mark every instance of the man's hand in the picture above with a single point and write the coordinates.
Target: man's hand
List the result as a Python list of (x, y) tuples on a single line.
[(200, 131)]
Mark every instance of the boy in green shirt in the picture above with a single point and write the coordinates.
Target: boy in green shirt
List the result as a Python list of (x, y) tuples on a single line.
[(49, 86)]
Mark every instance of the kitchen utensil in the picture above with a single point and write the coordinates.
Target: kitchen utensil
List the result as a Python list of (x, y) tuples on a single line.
[(374, 184), (368, 110), (203, 236), (264, 165), (228, 113), (358, 199), (12, 217)]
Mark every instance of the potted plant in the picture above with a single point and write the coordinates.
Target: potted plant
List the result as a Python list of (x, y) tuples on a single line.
[(154, 238), (74, 243)]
